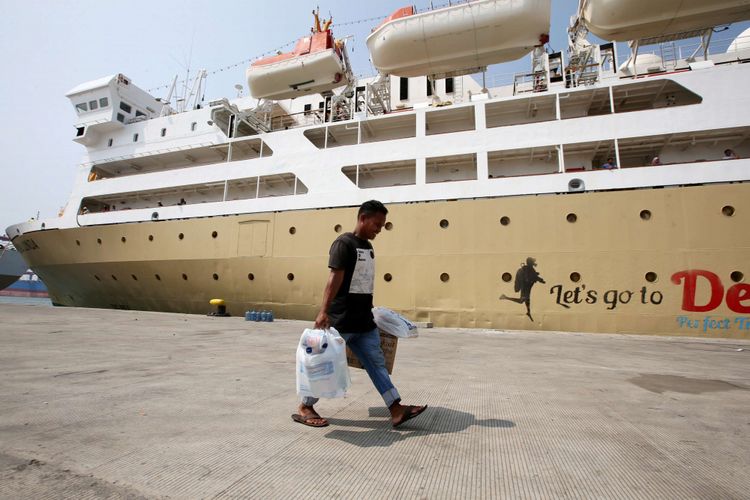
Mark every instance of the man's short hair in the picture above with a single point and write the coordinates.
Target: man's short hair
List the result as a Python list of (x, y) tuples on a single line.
[(372, 207)]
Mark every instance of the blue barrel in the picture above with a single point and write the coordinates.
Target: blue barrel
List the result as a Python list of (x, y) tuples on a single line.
[(270, 316), (248, 316), (253, 315)]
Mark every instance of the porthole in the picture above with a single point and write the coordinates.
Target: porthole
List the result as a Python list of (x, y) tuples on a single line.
[(114, 277), (387, 277), (123, 239), (506, 277), (388, 226), (575, 277), (135, 278), (737, 276), (99, 241), (78, 243), (504, 220), (97, 278), (155, 216), (163, 132), (135, 137), (571, 217), (250, 276), (290, 277), (44, 225), (193, 126), (292, 230), (184, 276), (646, 214), (150, 237), (337, 228), (444, 223), (728, 210), (216, 277), (214, 234), (444, 277), (181, 236), (158, 278), (651, 277)]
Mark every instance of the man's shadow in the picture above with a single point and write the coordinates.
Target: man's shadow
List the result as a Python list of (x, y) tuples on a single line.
[(435, 420)]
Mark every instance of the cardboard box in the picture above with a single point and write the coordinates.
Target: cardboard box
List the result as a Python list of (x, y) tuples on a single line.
[(388, 343)]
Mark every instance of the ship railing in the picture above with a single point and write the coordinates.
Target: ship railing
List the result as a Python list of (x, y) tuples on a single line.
[(673, 52)]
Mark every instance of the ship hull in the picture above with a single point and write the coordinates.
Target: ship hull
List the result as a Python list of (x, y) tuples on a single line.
[(666, 261)]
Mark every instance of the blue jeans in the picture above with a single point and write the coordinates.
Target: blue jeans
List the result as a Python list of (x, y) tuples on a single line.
[(366, 346)]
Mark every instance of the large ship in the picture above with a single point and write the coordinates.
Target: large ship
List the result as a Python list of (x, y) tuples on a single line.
[(589, 194)]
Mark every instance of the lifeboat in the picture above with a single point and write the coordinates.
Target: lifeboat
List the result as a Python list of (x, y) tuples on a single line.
[(458, 39), (317, 64), (622, 20)]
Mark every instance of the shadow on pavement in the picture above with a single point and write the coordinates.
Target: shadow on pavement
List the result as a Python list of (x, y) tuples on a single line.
[(435, 420)]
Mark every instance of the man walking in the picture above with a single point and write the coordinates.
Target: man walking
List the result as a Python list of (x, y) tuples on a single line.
[(347, 306)]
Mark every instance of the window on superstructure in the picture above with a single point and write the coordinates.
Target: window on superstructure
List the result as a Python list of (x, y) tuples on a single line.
[(103, 102), (519, 111), (135, 137), (429, 86), (82, 107), (321, 105), (93, 105), (308, 108), (450, 120), (125, 107), (386, 174), (449, 85), (523, 161), (120, 117), (451, 168), (138, 112), (193, 126), (109, 142), (163, 132), (403, 92)]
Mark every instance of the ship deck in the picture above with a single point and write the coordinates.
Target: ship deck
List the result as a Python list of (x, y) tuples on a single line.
[(127, 404)]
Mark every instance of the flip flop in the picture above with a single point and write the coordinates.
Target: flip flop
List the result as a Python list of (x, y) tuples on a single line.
[(306, 420), (410, 413)]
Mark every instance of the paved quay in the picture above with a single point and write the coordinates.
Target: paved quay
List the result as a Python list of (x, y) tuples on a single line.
[(128, 404)]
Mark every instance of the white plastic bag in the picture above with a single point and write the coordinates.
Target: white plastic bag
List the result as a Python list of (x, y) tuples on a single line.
[(322, 371), (392, 322)]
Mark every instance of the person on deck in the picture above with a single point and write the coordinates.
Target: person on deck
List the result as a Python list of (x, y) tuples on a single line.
[(347, 306)]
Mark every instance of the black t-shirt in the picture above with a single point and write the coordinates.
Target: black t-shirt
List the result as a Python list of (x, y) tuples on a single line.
[(351, 308)]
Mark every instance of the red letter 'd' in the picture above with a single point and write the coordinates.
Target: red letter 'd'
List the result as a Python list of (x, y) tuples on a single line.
[(688, 291), (736, 294)]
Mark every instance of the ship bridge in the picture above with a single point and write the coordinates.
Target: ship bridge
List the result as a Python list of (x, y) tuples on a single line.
[(108, 104)]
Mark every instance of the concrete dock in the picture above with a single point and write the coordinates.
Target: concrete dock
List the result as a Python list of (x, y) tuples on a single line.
[(128, 404)]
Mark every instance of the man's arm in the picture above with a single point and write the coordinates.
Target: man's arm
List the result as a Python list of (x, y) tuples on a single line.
[(335, 278)]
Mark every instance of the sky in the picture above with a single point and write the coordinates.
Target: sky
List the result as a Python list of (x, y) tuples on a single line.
[(47, 47)]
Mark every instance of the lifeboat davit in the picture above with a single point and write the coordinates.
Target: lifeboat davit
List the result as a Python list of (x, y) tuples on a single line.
[(317, 64), (622, 20), (458, 39)]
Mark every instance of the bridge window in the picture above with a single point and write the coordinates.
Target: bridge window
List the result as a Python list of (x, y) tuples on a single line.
[(93, 105), (82, 107), (125, 107), (103, 102)]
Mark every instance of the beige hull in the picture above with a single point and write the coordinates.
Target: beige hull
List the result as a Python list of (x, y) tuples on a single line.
[(450, 276)]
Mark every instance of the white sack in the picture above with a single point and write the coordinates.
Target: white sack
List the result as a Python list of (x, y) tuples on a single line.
[(392, 322), (322, 371)]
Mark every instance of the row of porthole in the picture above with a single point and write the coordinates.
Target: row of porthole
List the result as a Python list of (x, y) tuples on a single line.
[(651, 277), (123, 239), (727, 210)]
